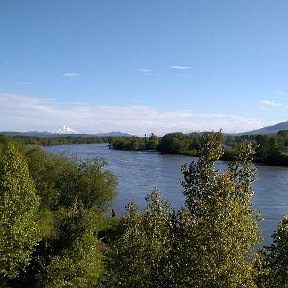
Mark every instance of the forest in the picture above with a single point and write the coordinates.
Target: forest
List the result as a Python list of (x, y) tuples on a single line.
[(56, 230), (269, 149)]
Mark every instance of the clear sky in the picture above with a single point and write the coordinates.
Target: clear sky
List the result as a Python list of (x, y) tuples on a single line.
[(143, 66)]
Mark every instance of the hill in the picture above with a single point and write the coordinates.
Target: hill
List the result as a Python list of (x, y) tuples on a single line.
[(274, 129)]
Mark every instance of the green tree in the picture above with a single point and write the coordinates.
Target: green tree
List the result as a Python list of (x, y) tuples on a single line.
[(275, 258), (208, 243), (43, 168), (86, 183), (219, 226), (75, 257), (141, 257), (18, 205), (152, 142), (174, 143)]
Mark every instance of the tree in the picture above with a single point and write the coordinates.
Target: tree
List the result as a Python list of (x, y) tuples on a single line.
[(219, 226), (208, 243), (18, 205), (174, 143), (152, 142), (86, 183), (74, 259), (43, 168), (141, 257), (275, 258)]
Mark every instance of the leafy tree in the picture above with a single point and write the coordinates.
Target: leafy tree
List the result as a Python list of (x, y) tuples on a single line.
[(195, 143), (270, 150), (86, 183), (208, 243), (127, 143), (141, 256), (43, 168), (220, 227), (61, 181), (4, 139), (174, 143), (275, 258), (18, 205), (152, 142), (75, 257)]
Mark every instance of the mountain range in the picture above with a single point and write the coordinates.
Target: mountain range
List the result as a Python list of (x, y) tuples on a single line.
[(273, 129), (66, 130)]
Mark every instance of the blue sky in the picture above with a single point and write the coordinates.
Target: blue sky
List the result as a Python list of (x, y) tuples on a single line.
[(143, 66)]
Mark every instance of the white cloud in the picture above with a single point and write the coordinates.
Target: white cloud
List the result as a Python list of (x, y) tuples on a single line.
[(71, 74), (180, 67), (270, 102), (144, 70), (25, 113), (274, 103), (264, 108), (148, 72)]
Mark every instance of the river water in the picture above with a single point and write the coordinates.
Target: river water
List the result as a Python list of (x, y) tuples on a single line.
[(140, 172)]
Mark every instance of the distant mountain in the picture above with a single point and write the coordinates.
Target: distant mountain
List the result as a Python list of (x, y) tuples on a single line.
[(28, 133), (66, 130), (268, 129), (113, 134)]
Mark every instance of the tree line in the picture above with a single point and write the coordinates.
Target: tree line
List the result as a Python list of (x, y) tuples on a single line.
[(269, 149), (55, 232), (61, 140)]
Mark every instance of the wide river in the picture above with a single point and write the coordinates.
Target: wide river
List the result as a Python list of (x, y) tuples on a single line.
[(140, 172)]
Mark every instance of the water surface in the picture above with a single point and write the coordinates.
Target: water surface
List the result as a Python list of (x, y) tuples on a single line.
[(140, 172)]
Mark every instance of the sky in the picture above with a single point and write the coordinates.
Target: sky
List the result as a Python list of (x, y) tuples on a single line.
[(143, 66)]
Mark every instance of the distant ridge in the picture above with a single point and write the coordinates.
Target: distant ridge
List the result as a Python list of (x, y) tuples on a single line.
[(274, 129), (113, 134), (50, 134)]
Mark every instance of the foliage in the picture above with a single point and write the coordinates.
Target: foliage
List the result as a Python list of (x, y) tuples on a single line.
[(152, 142), (220, 223), (126, 143), (206, 244), (174, 143), (62, 140), (61, 181), (179, 143), (86, 183), (69, 253), (134, 143), (75, 256), (141, 256), (19, 233), (44, 169), (275, 258), (4, 139), (271, 149)]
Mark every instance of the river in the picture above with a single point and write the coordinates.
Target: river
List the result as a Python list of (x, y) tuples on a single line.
[(140, 172)]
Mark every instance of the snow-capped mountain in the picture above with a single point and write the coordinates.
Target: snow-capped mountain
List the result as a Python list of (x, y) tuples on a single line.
[(66, 130)]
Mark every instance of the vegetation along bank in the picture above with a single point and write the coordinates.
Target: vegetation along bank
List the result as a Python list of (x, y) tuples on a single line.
[(55, 233)]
